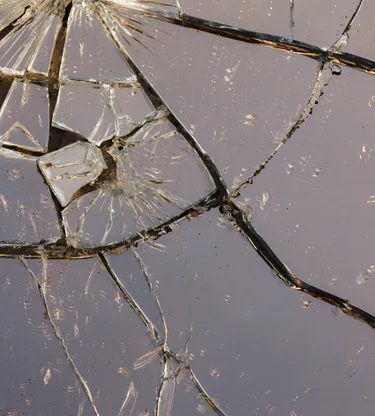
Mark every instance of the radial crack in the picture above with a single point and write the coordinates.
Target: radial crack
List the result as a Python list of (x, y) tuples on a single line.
[(127, 296), (41, 290)]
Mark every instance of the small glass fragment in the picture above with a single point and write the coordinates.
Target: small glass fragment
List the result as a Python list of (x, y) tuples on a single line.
[(70, 168), (24, 116), (90, 54), (104, 111), (365, 276), (147, 358)]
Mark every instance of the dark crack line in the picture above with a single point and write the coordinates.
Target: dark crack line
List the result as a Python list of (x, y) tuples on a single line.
[(265, 39), (55, 251), (60, 339), (158, 102), (127, 296), (287, 277)]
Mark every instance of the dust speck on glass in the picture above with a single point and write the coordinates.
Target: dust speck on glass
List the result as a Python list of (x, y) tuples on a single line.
[(187, 207)]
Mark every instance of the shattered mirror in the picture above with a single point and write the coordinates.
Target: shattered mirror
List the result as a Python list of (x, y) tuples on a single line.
[(187, 207)]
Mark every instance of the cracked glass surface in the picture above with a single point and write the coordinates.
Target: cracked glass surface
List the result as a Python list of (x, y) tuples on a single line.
[(186, 207)]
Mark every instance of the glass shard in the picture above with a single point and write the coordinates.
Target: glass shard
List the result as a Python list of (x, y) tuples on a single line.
[(100, 113), (89, 53), (67, 170), (320, 224), (102, 334), (24, 116), (210, 281), (27, 211), (158, 176), (251, 95), (30, 44), (138, 286), (35, 376)]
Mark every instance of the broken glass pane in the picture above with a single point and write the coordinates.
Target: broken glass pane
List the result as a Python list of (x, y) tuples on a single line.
[(24, 116), (250, 336), (102, 335), (67, 170), (314, 202), (27, 211), (150, 187), (153, 105)]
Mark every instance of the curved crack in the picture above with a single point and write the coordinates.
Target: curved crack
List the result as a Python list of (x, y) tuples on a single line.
[(287, 277)]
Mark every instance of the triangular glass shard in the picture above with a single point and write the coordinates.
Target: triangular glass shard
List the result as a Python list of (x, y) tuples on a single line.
[(30, 44), (24, 116), (90, 54), (69, 169), (40, 61)]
